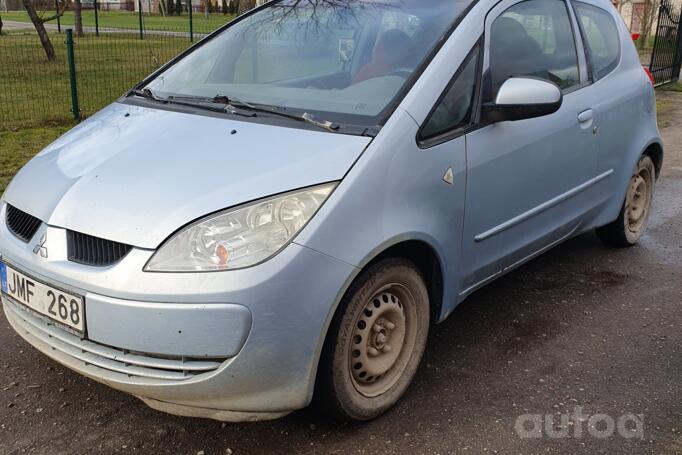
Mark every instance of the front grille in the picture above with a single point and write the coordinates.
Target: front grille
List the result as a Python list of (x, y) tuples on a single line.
[(117, 363), (88, 250), (21, 224)]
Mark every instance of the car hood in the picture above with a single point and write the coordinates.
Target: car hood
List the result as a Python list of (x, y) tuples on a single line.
[(135, 175)]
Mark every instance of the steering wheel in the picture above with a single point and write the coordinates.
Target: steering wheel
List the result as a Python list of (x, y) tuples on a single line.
[(405, 73)]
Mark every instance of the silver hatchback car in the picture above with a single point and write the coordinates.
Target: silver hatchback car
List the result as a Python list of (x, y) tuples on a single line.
[(280, 213)]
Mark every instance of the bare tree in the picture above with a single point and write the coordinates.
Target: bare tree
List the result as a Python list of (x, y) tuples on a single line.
[(38, 23), (78, 17), (246, 5), (647, 16), (622, 4)]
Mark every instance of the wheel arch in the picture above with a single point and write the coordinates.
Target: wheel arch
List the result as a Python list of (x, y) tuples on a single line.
[(655, 151), (417, 250), (612, 205), (426, 259)]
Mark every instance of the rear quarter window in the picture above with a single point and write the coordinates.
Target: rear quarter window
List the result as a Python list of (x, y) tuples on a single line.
[(601, 37)]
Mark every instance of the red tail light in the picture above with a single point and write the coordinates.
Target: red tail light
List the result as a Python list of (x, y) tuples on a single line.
[(635, 36), (651, 76)]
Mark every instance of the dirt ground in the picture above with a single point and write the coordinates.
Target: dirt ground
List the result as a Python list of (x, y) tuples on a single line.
[(584, 326)]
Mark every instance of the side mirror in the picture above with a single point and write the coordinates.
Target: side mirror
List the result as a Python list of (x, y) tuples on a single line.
[(523, 98)]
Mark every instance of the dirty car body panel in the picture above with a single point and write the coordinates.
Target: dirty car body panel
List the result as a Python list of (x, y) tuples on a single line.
[(244, 342)]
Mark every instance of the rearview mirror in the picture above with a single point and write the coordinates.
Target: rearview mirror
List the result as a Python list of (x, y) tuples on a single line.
[(523, 98)]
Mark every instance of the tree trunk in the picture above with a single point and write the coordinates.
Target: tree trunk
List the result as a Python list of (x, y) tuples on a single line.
[(78, 17), (40, 28), (653, 16), (643, 17), (621, 5), (246, 5), (0, 25)]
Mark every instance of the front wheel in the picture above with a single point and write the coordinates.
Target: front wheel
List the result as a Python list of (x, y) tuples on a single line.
[(634, 215), (375, 343)]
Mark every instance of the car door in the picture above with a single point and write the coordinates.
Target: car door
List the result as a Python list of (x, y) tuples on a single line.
[(625, 95), (528, 181)]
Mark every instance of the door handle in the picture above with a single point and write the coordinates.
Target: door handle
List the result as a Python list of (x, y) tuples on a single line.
[(585, 116)]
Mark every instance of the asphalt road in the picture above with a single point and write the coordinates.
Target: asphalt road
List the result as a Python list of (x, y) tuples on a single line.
[(584, 326)]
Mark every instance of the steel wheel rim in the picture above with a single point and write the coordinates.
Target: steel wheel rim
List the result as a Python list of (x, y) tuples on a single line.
[(382, 341), (638, 202)]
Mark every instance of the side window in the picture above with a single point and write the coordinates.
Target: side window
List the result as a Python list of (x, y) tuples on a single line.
[(534, 38), (601, 37), (455, 108)]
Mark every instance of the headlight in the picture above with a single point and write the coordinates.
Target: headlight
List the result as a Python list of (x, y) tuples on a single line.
[(242, 236)]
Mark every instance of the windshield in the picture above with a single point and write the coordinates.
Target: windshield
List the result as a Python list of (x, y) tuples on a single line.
[(342, 60)]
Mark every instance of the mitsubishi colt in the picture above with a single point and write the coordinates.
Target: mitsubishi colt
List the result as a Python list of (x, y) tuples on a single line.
[(278, 215)]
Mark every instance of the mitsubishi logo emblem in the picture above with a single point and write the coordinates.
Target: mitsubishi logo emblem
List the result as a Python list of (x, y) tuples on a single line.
[(40, 248)]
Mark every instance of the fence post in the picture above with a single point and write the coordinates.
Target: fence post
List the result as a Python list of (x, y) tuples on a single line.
[(139, 6), (59, 22), (191, 24), (96, 19), (72, 75)]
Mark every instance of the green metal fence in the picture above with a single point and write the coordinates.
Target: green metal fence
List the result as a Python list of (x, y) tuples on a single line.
[(105, 65)]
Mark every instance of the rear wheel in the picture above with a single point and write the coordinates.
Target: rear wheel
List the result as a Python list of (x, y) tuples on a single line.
[(634, 215), (375, 343)]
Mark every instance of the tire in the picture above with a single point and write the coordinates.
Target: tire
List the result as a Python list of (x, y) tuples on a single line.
[(375, 342), (633, 218)]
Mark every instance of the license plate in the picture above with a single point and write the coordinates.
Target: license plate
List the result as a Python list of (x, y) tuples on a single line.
[(60, 306)]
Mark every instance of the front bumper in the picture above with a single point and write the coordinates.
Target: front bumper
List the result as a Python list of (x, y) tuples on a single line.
[(237, 345)]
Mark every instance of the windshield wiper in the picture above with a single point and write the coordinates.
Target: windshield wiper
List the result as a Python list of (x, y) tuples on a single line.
[(325, 124), (228, 105), (144, 93), (234, 105), (237, 106), (283, 112), (190, 101)]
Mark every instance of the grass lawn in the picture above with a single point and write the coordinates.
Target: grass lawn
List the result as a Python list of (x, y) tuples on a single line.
[(664, 105), (36, 92), (673, 87), (129, 19)]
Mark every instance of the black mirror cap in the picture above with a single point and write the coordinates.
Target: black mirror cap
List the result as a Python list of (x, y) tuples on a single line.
[(495, 113)]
